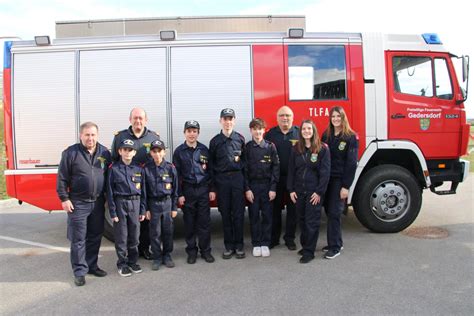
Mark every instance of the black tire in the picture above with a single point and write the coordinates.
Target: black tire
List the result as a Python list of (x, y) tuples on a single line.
[(387, 199), (108, 226)]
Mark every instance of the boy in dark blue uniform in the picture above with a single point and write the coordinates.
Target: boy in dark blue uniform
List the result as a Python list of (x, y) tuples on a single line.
[(227, 165), (262, 170), (127, 209), (161, 182), (192, 164)]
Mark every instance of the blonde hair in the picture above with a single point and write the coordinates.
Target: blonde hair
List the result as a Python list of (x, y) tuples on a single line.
[(347, 131)]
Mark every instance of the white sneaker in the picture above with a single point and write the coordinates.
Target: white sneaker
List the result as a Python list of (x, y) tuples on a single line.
[(257, 252), (265, 251)]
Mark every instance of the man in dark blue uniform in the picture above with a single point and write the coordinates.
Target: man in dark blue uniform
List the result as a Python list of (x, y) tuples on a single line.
[(192, 163), (81, 188), (227, 173), (142, 137), (284, 136)]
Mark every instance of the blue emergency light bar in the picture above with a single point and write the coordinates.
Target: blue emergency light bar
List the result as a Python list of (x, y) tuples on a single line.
[(431, 38), (7, 60)]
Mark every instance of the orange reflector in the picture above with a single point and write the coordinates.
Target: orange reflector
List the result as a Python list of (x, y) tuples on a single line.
[(441, 166)]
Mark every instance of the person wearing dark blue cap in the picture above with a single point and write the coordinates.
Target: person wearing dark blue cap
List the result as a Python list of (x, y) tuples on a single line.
[(125, 187), (192, 164), (227, 159), (142, 137), (161, 182)]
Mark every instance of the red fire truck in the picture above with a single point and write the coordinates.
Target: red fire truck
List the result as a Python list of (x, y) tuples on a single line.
[(401, 94)]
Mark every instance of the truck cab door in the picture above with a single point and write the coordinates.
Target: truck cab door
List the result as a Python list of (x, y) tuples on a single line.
[(421, 102)]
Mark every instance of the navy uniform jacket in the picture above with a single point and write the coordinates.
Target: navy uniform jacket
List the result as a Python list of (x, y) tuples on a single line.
[(343, 157), (142, 144), (81, 176), (161, 181), (124, 181), (309, 172), (192, 164), (262, 163), (283, 143), (227, 154)]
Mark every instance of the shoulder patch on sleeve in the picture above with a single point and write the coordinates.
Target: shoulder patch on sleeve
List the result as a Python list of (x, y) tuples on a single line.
[(116, 133)]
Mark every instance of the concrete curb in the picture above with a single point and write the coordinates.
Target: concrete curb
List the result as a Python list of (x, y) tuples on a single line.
[(8, 203)]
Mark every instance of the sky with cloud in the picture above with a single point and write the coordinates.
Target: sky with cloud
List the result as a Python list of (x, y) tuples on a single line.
[(449, 19)]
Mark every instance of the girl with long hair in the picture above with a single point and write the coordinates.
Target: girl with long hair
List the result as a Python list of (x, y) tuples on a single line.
[(343, 145), (308, 175)]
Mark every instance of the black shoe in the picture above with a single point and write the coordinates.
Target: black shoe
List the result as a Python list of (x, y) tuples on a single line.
[(168, 262), (79, 280), (135, 268), (125, 271), (306, 258), (291, 245), (98, 272), (192, 259), (227, 254), (240, 254), (273, 245), (146, 254), (326, 248), (300, 252), (331, 254), (155, 265), (208, 257)]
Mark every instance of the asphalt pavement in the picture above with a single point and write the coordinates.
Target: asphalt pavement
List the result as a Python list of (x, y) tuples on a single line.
[(377, 274)]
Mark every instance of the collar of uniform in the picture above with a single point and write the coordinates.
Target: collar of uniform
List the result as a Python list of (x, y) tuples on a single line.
[(120, 162), (261, 145), (290, 130), (86, 150), (130, 132), (189, 147), (231, 136), (162, 165)]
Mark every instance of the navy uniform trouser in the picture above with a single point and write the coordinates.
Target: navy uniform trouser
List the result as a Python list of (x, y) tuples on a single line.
[(85, 226), (310, 219), (283, 195), (197, 218), (161, 228), (126, 231), (144, 243), (334, 207), (231, 205), (260, 215)]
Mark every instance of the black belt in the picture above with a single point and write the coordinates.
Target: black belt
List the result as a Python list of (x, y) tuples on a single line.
[(159, 199), (128, 197), (195, 185), (230, 173), (259, 181)]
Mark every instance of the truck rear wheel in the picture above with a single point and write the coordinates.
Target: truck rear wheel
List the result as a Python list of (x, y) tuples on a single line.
[(387, 199)]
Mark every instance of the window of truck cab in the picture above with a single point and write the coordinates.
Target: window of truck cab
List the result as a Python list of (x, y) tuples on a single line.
[(317, 72), (414, 75)]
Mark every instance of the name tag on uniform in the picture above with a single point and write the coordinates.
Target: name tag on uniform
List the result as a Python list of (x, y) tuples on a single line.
[(138, 185)]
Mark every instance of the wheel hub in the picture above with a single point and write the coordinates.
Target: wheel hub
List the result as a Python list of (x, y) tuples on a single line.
[(390, 201)]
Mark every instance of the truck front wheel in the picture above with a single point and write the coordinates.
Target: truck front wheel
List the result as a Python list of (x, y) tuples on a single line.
[(387, 199)]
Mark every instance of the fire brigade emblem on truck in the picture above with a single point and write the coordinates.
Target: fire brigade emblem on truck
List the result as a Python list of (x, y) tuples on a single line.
[(424, 124)]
